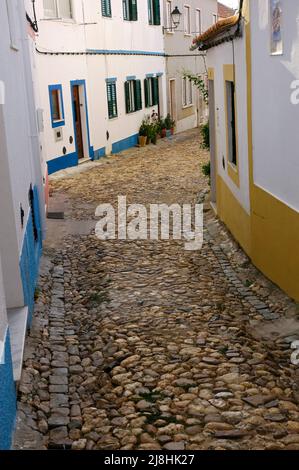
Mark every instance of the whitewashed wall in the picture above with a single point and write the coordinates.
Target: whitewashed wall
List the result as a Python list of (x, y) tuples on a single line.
[(275, 119), (91, 31), (217, 57), (3, 314), (177, 44), (19, 150)]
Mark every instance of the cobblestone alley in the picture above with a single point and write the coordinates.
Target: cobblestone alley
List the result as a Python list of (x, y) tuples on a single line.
[(143, 345)]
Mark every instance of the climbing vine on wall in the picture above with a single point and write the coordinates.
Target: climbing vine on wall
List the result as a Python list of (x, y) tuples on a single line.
[(199, 82)]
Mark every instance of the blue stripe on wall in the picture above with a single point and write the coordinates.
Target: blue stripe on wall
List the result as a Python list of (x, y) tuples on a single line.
[(7, 399), (30, 258), (125, 144), (99, 153), (61, 163)]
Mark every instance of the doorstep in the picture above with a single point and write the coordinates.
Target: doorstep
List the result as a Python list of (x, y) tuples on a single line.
[(17, 321)]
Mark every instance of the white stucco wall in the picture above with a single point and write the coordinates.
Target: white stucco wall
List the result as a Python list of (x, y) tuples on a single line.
[(216, 58), (275, 119), (3, 315), (180, 59), (19, 150), (91, 31)]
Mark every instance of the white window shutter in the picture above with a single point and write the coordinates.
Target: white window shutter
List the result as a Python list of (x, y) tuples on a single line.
[(65, 9), (50, 10)]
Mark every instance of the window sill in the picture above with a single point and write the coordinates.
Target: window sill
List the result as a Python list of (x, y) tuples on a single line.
[(60, 20), (233, 166), (133, 112), (114, 118), (56, 124), (186, 106), (188, 35)]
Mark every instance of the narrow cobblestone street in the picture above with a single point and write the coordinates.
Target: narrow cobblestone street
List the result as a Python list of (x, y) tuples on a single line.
[(144, 345)]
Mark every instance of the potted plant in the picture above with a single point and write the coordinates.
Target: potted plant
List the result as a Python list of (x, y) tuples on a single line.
[(153, 132), (162, 129), (143, 133), (169, 123)]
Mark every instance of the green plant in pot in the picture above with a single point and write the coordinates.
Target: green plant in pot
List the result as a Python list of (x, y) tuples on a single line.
[(144, 132), (170, 124), (153, 133), (162, 128)]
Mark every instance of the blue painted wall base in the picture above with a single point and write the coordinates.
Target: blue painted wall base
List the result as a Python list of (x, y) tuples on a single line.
[(125, 144), (30, 257), (99, 153), (61, 163), (8, 399)]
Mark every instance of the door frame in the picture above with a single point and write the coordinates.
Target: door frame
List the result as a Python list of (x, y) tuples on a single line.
[(213, 138), (84, 125), (174, 115)]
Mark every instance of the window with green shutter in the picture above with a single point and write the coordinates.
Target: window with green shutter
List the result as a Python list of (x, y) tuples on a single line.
[(112, 99), (106, 8), (133, 96), (154, 15), (138, 96), (151, 91), (130, 10)]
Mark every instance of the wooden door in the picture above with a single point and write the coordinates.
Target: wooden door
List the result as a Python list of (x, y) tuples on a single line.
[(78, 122)]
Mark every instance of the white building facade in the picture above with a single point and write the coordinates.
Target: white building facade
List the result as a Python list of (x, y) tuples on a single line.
[(253, 69), (101, 69), (184, 101), (21, 204)]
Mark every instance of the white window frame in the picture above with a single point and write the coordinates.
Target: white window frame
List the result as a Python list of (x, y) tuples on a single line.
[(168, 17), (149, 84), (215, 18), (58, 16), (132, 96), (198, 21), (187, 25), (187, 93)]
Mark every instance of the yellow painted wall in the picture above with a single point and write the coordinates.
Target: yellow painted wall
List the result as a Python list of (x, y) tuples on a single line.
[(274, 225), (233, 215), (270, 234), (275, 241)]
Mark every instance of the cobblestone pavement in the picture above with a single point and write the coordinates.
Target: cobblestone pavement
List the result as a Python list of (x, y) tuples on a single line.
[(143, 345)]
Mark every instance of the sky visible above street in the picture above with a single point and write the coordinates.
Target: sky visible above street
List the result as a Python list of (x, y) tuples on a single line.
[(231, 3)]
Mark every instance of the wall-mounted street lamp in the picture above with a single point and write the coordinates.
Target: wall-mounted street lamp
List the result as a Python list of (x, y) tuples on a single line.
[(175, 19), (33, 22)]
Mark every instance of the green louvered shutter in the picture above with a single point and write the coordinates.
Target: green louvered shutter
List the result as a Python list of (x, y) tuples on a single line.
[(127, 97), (146, 93), (138, 97), (156, 12), (106, 7), (133, 10), (155, 88)]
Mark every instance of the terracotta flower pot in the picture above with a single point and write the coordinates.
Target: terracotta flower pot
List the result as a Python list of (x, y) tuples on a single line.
[(142, 140), (163, 133)]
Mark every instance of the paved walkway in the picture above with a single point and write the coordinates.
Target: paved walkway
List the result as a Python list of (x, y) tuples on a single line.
[(143, 345)]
